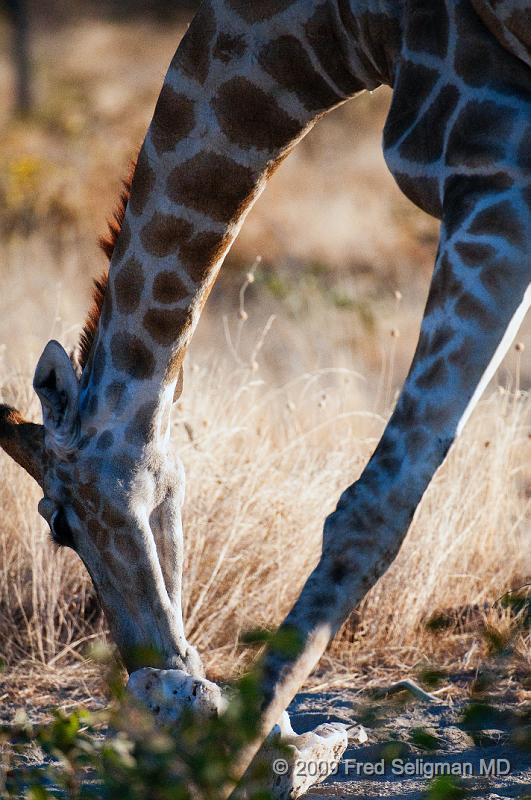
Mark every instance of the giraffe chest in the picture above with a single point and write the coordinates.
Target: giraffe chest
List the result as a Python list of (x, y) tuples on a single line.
[(413, 145), (458, 98)]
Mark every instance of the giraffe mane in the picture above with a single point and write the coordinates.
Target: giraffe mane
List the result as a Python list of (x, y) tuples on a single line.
[(107, 243)]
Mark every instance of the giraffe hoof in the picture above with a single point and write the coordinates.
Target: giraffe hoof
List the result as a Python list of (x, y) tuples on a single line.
[(168, 692)]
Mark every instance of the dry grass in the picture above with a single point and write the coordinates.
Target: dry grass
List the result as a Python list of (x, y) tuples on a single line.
[(268, 451), (264, 466), (274, 471)]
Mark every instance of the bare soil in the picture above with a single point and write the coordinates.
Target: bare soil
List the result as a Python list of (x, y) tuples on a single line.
[(398, 729), (409, 741)]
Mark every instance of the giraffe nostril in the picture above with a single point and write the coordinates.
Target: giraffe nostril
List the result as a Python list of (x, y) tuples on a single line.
[(61, 532)]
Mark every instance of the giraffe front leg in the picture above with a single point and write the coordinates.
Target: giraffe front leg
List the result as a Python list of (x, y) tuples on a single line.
[(479, 295), (167, 529)]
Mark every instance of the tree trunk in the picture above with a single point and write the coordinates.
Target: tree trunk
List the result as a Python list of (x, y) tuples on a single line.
[(18, 12)]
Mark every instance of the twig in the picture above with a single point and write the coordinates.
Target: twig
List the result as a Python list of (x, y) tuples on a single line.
[(410, 686), (511, 591)]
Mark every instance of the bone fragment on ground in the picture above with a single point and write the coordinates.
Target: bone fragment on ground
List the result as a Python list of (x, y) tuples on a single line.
[(307, 758)]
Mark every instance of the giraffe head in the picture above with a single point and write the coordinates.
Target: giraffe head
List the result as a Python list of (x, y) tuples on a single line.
[(119, 510), (113, 492)]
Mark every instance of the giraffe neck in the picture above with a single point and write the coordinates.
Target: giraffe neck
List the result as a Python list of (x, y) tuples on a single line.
[(247, 82)]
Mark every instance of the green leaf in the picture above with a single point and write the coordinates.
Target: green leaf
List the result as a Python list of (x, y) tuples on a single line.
[(445, 787), (38, 793), (424, 740)]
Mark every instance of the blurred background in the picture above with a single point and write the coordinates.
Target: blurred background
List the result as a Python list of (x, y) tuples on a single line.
[(282, 404), (78, 83)]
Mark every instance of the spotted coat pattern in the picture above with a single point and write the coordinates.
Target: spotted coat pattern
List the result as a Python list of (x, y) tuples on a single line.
[(245, 85)]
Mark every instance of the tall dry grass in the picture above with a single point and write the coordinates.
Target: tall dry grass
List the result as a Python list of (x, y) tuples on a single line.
[(277, 461), (264, 465)]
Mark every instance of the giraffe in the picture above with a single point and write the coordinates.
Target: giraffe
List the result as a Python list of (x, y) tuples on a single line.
[(247, 82)]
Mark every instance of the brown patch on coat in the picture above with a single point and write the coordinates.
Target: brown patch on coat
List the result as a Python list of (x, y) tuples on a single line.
[(130, 355), (239, 103), (444, 286), (79, 509), (228, 46), (427, 28), (212, 184), (141, 427), (128, 286), (174, 118), (97, 533), (105, 440), (473, 254), (163, 233), (112, 517), (202, 252), (499, 277), (164, 325), (142, 183), (435, 375), (193, 53), (322, 36), (115, 396), (127, 548), (286, 60), (168, 288), (90, 495), (500, 220), (470, 308), (464, 355)]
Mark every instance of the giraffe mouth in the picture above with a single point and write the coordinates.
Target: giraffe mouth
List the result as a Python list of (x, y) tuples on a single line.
[(167, 693)]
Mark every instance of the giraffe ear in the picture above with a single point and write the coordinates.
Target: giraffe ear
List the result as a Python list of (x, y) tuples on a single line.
[(58, 389)]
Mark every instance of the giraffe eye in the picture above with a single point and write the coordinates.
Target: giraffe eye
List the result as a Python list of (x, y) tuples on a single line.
[(61, 532)]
